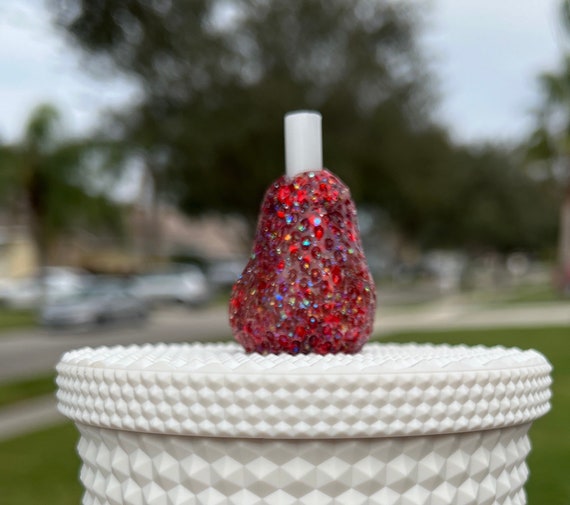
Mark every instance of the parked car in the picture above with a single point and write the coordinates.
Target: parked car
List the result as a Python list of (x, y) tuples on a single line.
[(187, 285), (224, 273), (99, 304), (26, 292)]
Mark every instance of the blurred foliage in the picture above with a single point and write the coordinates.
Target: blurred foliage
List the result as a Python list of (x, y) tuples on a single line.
[(499, 205), (44, 178), (548, 149), (217, 77)]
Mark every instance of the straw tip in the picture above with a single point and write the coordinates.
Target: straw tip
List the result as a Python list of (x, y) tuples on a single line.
[(301, 112), (303, 142)]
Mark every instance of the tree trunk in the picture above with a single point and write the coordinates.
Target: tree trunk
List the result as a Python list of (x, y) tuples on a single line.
[(564, 242), (148, 232), (36, 196)]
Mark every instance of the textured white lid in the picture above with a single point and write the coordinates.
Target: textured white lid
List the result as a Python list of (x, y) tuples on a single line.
[(385, 390)]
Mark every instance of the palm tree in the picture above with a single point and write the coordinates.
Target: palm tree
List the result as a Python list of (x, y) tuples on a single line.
[(45, 176), (550, 145)]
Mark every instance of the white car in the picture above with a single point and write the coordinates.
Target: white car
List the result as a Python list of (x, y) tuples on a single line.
[(100, 303), (26, 292), (188, 286), (225, 273)]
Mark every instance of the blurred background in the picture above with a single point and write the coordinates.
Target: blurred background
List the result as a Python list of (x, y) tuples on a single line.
[(137, 139)]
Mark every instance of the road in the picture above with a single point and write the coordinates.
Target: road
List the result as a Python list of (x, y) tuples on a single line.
[(32, 352), (35, 351)]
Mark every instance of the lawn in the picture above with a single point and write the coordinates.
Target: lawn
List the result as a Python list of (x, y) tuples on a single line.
[(48, 459), (525, 293), (15, 391), (41, 468), (14, 319)]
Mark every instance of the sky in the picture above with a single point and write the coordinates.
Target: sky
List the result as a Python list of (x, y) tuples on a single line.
[(486, 55), (38, 65)]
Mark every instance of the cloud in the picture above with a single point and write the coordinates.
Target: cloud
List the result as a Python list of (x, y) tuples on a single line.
[(36, 66), (488, 56)]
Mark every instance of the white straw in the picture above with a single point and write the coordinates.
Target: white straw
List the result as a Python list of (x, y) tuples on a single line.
[(303, 142)]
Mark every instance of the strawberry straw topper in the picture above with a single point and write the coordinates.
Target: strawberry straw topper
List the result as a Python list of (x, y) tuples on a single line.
[(307, 287)]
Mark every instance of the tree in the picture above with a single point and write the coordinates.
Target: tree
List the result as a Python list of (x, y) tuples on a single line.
[(217, 76), (549, 145), (493, 203), (46, 177)]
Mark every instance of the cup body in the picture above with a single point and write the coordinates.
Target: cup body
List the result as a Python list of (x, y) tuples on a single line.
[(478, 468), (189, 424)]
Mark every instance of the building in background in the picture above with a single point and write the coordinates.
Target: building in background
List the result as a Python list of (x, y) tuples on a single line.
[(17, 254)]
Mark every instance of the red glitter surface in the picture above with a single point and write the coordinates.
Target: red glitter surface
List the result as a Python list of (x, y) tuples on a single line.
[(306, 287)]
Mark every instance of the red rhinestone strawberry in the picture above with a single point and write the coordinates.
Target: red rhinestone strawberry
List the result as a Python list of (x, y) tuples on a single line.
[(307, 287)]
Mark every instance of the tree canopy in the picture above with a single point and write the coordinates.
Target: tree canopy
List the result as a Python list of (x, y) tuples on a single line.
[(548, 148), (43, 177), (217, 77)]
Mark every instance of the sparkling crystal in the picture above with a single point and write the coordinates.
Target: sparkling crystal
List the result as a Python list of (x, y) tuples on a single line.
[(307, 287)]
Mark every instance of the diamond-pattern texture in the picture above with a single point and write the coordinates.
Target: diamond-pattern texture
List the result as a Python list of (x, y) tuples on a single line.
[(217, 390), (392, 425), (128, 468)]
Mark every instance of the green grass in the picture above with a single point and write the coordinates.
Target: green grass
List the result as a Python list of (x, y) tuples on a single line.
[(16, 319), (43, 468), (538, 293), (549, 461), (526, 293), (15, 391)]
